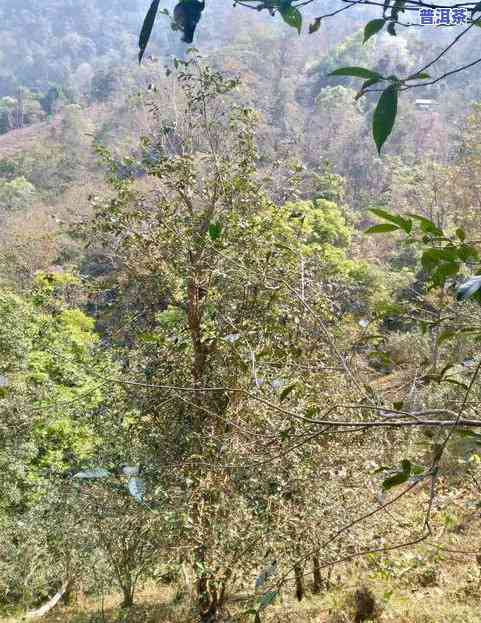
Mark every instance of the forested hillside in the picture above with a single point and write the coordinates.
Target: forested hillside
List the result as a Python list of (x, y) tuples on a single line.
[(239, 316)]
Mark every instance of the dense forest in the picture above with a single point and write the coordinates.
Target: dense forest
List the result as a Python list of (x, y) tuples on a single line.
[(239, 332)]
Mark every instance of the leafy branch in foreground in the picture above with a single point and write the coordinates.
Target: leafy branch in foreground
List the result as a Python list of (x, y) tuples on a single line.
[(443, 254), (386, 109), (187, 14)]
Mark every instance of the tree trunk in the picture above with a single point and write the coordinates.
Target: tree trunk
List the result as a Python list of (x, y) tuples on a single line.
[(316, 574), (209, 615), (300, 588), (69, 597), (128, 596), (208, 602)]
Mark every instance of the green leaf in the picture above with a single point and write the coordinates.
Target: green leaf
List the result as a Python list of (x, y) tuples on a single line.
[(356, 72), (407, 469), (373, 27), (312, 411), (446, 335), (468, 288), (446, 369), (421, 76), (417, 470), (385, 115), (291, 16), (147, 28), (394, 481), (215, 230), (451, 269), (466, 253), (382, 468), (286, 391), (381, 229), (450, 253), (460, 233), (427, 226), (314, 27), (403, 223), (469, 331), (388, 216), (455, 382), (444, 271), (284, 434), (430, 259)]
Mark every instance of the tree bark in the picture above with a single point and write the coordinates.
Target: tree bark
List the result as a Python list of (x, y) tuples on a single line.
[(69, 597), (208, 601), (316, 574), (128, 595), (300, 588)]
